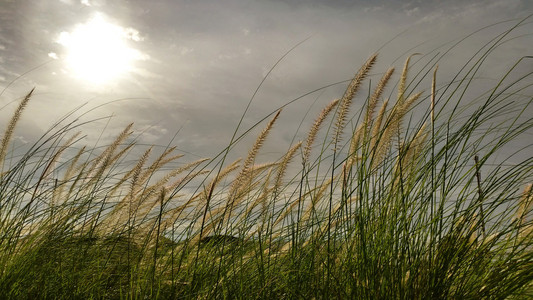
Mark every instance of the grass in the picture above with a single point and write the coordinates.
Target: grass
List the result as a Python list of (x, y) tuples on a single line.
[(406, 198)]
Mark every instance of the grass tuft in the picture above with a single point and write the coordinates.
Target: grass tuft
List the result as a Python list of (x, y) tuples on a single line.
[(424, 197)]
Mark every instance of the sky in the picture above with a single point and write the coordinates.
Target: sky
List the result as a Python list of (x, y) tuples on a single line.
[(191, 67)]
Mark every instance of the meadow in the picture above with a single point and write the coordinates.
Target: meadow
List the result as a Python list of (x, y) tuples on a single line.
[(410, 197)]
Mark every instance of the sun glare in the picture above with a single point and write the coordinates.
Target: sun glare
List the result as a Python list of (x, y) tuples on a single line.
[(97, 51)]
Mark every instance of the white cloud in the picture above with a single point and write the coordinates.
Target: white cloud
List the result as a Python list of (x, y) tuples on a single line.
[(133, 34), (412, 11), (373, 9), (185, 50)]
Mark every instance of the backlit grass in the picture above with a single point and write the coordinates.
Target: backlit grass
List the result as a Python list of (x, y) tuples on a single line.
[(411, 197)]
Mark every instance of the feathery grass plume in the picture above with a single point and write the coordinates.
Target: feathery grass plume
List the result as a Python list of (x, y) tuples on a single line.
[(159, 163), (6, 139), (222, 174), (402, 105), (376, 127), (180, 182), (397, 114), (158, 184), (245, 173), (88, 169), (249, 161), (393, 127), (471, 235), (245, 176), (221, 213), (348, 96), (108, 152), (412, 151), (372, 103), (311, 136), (354, 146), (266, 191), (143, 177), (416, 146), (282, 166), (433, 95), (106, 158), (130, 201), (118, 215), (146, 205), (136, 182), (402, 111), (248, 184), (152, 213), (408, 103), (113, 158), (403, 80), (524, 209), (207, 196)]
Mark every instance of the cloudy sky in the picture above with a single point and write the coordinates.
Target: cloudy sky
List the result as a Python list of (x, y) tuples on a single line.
[(192, 66)]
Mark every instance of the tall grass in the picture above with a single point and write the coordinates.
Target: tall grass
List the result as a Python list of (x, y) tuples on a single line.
[(406, 198)]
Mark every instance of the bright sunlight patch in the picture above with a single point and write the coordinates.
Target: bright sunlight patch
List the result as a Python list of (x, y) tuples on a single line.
[(97, 51)]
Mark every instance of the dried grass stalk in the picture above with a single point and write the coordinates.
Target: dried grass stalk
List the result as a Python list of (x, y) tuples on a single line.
[(315, 128), (6, 139), (348, 96)]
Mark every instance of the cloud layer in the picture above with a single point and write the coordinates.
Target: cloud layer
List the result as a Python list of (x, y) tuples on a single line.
[(203, 60)]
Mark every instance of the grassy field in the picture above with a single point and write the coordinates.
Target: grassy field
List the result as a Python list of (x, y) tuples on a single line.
[(407, 198)]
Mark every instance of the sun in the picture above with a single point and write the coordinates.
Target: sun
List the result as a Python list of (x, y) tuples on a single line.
[(98, 51)]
